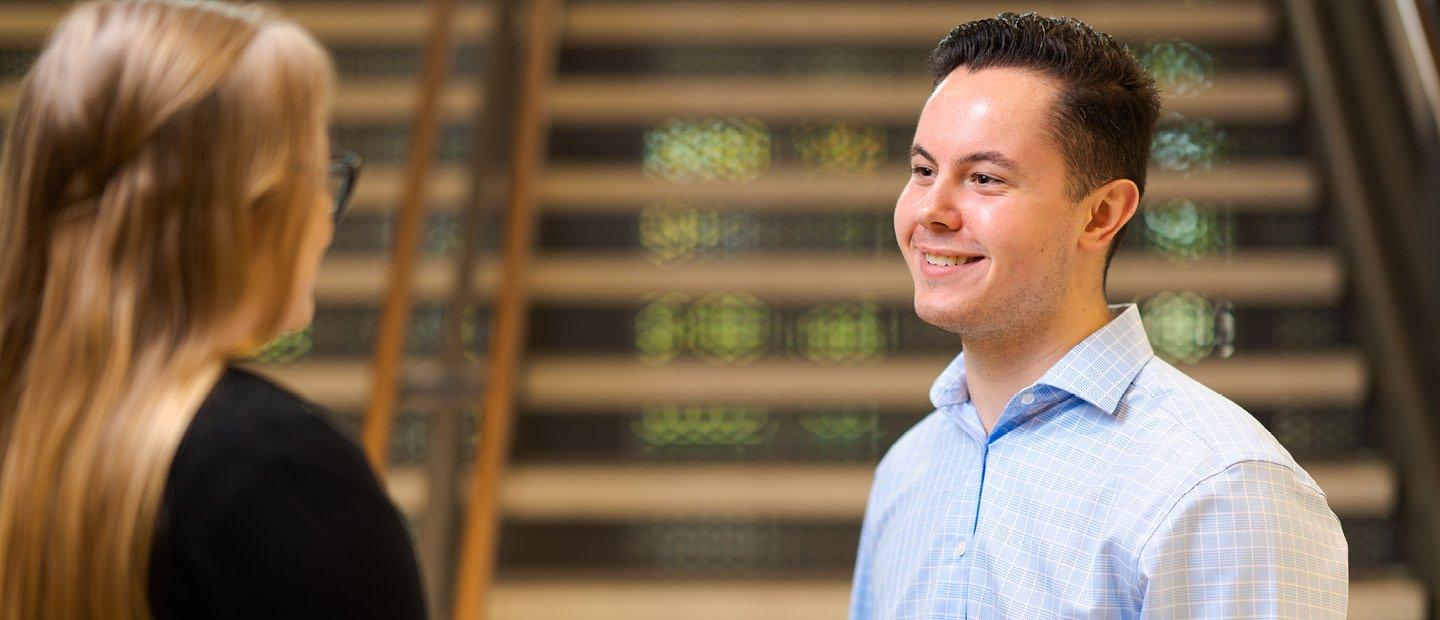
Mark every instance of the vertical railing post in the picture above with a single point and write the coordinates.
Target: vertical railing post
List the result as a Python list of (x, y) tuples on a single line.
[(508, 329), (446, 432)]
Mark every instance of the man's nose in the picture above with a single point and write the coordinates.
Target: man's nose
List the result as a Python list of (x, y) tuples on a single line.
[(939, 211)]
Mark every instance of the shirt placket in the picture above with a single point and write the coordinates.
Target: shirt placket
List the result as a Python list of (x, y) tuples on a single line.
[(960, 544), (1015, 411)]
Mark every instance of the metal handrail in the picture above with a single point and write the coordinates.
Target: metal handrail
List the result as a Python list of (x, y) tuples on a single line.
[(532, 111), (1414, 26), (1367, 171), (446, 434), (395, 314)]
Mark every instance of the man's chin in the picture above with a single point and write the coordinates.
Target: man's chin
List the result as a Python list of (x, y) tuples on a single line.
[(955, 315)]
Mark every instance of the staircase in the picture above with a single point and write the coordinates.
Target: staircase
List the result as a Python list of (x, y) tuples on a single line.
[(722, 343)]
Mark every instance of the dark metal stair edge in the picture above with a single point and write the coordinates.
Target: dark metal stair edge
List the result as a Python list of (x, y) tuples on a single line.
[(1358, 170)]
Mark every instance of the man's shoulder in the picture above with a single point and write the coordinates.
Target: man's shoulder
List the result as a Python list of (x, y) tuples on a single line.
[(1191, 427), (916, 445), (917, 451)]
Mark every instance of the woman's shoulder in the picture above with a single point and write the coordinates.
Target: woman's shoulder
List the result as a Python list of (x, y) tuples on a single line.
[(263, 474), (246, 406), (248, 425)]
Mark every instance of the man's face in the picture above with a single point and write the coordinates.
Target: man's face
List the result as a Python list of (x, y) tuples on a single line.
[(985, 223)]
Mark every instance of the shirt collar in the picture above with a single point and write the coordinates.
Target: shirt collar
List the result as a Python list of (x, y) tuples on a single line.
[(1101, 368), (1098, 370), (949, 388)]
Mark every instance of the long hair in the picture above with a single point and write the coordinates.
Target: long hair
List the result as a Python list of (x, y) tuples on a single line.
[(159, 173)]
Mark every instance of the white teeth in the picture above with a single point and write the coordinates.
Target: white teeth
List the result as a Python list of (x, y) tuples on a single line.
[(940, 260)]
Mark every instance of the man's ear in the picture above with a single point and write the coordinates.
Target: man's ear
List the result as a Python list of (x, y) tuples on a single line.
[(1110, 207)]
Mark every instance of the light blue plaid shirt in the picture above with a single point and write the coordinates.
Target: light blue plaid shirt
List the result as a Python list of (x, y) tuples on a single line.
[(1114, 487)]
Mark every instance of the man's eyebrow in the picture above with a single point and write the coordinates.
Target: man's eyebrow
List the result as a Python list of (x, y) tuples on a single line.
[(994, 157), (916, 149)]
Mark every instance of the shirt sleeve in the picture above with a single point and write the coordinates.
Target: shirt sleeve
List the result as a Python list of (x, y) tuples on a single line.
[(303, 540), (1253, 541)]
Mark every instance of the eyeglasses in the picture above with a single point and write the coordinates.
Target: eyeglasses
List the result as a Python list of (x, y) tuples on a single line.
[(344, 172)]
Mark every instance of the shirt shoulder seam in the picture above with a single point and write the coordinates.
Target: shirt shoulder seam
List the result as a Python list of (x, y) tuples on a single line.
[(1207, 478)]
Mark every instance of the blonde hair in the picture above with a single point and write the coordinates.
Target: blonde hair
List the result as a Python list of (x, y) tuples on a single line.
[(159, 173)]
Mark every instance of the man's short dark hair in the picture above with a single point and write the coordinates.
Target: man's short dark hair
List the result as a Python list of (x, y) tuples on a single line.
[(1107, 106)]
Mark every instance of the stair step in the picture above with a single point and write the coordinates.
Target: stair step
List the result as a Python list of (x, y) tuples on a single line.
[(1359, 488), (601, 384), (579, 383), (912, 23), (382, 185), (374, 23), (588, 187), (1258, 97), (1396, 597), (648, 23), (1270, 185), (1391, 598), (1255, 97), (693, 600), (1256, 276), (356, 100), (394, 101)]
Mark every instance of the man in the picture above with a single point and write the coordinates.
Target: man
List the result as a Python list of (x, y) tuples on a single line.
[(1066, 472)]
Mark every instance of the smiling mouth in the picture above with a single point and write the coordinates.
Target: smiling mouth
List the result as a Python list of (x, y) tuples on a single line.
[(942, 260)]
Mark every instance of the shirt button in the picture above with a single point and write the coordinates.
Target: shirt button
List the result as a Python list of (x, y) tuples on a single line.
[(961, 547), (1027, 399)]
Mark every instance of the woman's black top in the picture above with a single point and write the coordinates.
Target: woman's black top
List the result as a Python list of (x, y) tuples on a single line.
[(270, 512)]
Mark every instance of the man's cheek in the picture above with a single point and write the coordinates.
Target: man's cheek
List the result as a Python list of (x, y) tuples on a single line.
[(903, 227)]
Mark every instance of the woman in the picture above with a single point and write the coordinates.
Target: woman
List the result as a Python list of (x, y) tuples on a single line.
[(163, 210)]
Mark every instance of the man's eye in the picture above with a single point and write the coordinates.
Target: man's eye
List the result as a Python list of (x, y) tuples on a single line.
[(984, 179), (923, 171)]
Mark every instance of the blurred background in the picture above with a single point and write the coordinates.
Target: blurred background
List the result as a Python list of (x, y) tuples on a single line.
[(718, 340)]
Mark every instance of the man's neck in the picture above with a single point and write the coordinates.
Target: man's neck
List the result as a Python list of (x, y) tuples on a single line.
[(998, 368)]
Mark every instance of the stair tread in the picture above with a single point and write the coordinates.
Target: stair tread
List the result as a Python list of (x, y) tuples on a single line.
[(1361, 487), (1255, 96), (1289, 276), (378, 23), (356, 100), (648, 23), (1264, 185), (577, 384), (591, 186), (903, 23), (601, 597)]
